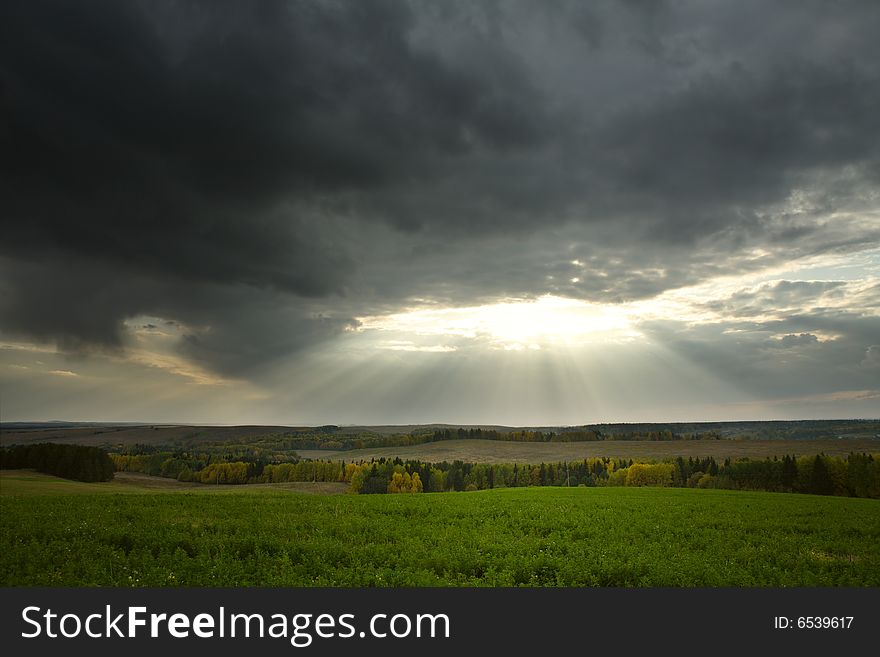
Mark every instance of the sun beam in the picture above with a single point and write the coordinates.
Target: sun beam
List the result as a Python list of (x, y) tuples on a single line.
[(512, 324)]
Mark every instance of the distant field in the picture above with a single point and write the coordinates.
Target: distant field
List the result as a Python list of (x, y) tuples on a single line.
[(28, 482), (507, 537), (494, 451)]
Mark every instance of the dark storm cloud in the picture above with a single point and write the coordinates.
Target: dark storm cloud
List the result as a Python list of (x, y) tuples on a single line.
[(232, 330), (264, 172), (150, 148), (140, 134), (711, 156), (244, 337)]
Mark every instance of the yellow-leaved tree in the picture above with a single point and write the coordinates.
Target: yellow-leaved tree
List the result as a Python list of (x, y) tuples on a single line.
[(403, 482)]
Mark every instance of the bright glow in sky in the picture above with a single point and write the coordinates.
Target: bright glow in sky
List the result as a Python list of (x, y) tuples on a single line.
[(552, 321), (513, 324)]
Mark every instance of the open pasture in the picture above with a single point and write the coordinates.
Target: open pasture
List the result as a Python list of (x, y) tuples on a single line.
[(262, 536)]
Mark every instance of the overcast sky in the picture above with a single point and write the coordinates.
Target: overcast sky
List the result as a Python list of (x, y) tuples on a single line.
[(464, 212)]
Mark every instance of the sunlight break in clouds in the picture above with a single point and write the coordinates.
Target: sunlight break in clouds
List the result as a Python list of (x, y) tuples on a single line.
[(514, 324)]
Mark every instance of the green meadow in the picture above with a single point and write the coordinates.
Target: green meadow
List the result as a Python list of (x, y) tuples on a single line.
[(62, 533)]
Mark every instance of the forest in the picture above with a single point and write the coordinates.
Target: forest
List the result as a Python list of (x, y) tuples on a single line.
[(857, 475), (68, 461), (331, 438)]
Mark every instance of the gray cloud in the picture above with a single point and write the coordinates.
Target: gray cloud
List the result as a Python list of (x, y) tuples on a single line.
[(780, 358), (872, 357), (777, 296), (791, 341), (263, 173)]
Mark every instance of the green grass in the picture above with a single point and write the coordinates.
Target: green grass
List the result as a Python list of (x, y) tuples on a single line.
[(513, 537), (28, 482)]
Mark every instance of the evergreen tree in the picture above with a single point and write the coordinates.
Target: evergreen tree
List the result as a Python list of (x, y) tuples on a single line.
[(789, 473), (820, 479)]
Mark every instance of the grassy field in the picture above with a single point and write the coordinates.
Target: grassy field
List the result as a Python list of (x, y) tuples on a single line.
[(510, 537), (494, 451)]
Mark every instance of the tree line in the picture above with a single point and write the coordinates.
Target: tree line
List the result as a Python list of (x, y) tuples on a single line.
[(341, 442), (185, 464), (857, 475), (68, 461), (571, 435)]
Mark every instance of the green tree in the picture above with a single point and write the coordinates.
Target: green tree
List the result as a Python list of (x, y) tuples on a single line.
[(789, 473)]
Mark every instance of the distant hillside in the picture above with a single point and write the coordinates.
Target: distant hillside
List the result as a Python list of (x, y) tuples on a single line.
[(762, 430), (334, 438)]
